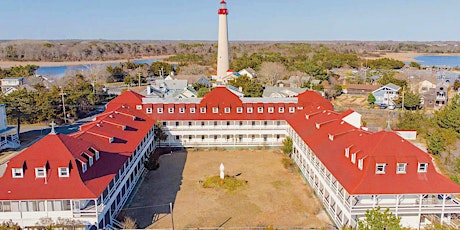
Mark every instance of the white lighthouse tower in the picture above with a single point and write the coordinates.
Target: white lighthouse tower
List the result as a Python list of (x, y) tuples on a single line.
[(223, 63)]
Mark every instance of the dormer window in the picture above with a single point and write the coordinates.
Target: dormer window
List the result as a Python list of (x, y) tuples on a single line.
[(249, 109), (380, 168), (40, 172), (422, 167), (360, 164), (83, 167), (202, 110), (292, 109), (159, 110), (63, 172), (91, 161), (353, 158), (281, 110), (170, 110), (239, 109), (181, 110), (97, 155), (347, 152), (260, 109), (227, 110), (192, 110), (215, 110), (401, 168), (148, 110), (138, 107), (18, 172), (271, 109), (94, 151)]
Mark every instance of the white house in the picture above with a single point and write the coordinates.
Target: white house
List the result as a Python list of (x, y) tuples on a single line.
[(248, 72), (387, 94)]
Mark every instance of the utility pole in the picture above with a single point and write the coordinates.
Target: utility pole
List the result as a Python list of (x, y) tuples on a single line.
[(63, 105), (139, 76)]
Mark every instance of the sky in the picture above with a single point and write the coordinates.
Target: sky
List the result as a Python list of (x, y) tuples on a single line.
[(248, 20)]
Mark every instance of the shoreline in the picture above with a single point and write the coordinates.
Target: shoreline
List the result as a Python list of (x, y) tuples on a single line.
[(9, 64), (408, 56)]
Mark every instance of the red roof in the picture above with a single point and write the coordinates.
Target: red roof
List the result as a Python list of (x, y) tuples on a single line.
[(126, 97), (328, 136), (52, 152)]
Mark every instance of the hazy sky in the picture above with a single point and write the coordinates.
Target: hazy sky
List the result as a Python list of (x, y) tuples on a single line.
[(415, 20)]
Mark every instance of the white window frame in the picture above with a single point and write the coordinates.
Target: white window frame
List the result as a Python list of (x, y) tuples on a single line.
[(202, 110), (171, 110), (148, 110), (271, 109), (40, 172), (181, 110), (401, 168), (84, 167), (97, 155), (280, 109), (227, 109), (215, 110), (17, 172), (422, 167), (380, 168), (91, 161), (193, 110), (260, 109), (291, 109), (63, 172), (239, 109), (249, 110), (160, 110), (139, 107)]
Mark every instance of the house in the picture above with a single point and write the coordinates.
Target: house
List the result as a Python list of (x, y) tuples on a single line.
[(248, 72), (359, 88), (441, 91), (11, 84), (387, 94), (231, 75), (281, 92), (204, 81), (423, 87), (170, 88), (350, 169), (9, 137)]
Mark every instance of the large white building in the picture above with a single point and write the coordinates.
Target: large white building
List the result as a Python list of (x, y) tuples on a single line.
[(88, 175)]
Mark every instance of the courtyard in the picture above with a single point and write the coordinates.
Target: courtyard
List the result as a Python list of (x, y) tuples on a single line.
[(274, 195)]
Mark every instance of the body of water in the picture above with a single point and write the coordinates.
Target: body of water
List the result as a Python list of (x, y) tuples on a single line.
[(59, 71), (442, 61)]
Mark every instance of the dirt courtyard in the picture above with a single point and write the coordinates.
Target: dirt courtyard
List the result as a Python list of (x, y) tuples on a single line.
[(273, 196)]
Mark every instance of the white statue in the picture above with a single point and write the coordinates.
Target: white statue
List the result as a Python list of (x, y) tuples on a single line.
[(222, 171)]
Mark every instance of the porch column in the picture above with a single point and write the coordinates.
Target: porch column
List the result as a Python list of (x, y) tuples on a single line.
[(420, 210), (397, 205), (443, 207)]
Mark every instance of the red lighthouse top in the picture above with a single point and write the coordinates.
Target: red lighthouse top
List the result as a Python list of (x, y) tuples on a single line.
[(223, 8)]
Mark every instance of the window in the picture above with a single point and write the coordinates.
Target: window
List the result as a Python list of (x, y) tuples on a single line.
[(253, 137), (227, 110), (260, 109), (91, 161), (202, 110), (353, 158), (138, 107), (202, 123), (228, 123), (265, 123), (215, 110), (360, 164), (40, 172), (189, 123), (241, 123), (63, 172), (291, 109), (192, 110), (278, 123), (347, 152), (401, 168), (177, 137), (277, 136), (239, 109), (202, 138), (215, 123), (281, 110), (182, 110), (265, 137), (422, 167), (170, 110), (83, 167), (159, 110), (380, 168), (249, 109), (215, 137), (177, 123), (271, 109), (18, 173), (164, 123), (253, 123), (148, 110)]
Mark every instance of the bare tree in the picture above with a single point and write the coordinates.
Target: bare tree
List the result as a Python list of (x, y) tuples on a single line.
[(271, 72)]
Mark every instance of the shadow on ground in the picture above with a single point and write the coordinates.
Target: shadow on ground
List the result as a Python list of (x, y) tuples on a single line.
[(151, 201)]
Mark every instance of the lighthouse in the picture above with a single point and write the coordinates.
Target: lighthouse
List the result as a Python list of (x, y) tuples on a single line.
[(223, 63)]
